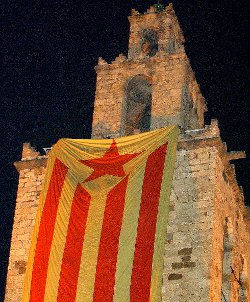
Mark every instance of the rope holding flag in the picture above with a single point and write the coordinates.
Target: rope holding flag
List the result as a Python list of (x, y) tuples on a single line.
[(101, 221)]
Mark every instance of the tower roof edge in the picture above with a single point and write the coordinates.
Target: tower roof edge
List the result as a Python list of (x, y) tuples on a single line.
[(154, 9)]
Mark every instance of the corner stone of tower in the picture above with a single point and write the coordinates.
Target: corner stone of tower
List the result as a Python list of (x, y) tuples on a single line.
[(29, 152)]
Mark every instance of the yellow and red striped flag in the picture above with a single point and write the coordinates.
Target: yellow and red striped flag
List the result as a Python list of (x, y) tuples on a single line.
[(101, 222)]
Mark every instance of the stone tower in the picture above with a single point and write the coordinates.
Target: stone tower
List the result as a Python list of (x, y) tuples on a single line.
[(154, 86), (207, 256)]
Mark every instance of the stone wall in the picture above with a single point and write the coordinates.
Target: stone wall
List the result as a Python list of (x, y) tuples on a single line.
[(170, 36), (31, 174), (205, 197), (169, 76), (206, 203), (169, 73), (230, 213), (189, 234)]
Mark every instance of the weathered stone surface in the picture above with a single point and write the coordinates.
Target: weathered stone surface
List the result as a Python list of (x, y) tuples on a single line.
[(205, 199), (21, 266), (30, 184), (177, 265), (174, 276), (185, 251), (176, 97)]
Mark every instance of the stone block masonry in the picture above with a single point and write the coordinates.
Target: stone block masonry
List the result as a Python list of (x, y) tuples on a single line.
[(176, 96), (204, 195), (31, 175), (207, 248), (202, 201)]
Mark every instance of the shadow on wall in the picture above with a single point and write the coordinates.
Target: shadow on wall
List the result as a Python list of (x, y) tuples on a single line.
[(189, 114), (137, 105), (189, 238), (227, 260)]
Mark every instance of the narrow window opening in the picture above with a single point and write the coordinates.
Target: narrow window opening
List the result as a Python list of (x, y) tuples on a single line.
[(149, 42)]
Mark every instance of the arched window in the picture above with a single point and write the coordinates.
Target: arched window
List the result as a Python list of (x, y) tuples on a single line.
[(149, 42), (137, 105), (227, 262)]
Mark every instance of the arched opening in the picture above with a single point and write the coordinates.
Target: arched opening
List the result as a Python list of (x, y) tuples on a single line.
[(227, 261), (149, 42), (137, 109)]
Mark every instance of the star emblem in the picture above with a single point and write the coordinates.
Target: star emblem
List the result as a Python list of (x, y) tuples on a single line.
[(111, 163)]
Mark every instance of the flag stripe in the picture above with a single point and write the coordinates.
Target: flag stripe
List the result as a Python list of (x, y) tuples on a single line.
[(109, 241), (29, 268), (142, 266), (110, 248), (161, 227), (46, 230), (128, 235), (86, 277), (73, 247), (59, 237)]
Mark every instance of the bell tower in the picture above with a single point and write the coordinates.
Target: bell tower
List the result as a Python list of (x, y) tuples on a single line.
[(154, 86), (207, 255)]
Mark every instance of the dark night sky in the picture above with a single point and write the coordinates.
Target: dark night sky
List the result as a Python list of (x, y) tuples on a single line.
[(49, 50)]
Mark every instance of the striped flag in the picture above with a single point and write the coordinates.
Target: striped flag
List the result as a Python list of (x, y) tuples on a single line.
[(101, 222)]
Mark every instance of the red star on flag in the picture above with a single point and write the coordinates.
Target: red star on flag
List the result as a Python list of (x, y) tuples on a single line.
[(111, 163)]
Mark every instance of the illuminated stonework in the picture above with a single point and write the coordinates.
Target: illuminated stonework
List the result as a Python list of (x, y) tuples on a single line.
[(209, 226)]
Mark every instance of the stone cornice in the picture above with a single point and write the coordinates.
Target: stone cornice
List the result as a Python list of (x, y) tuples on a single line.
[(160, 57)]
